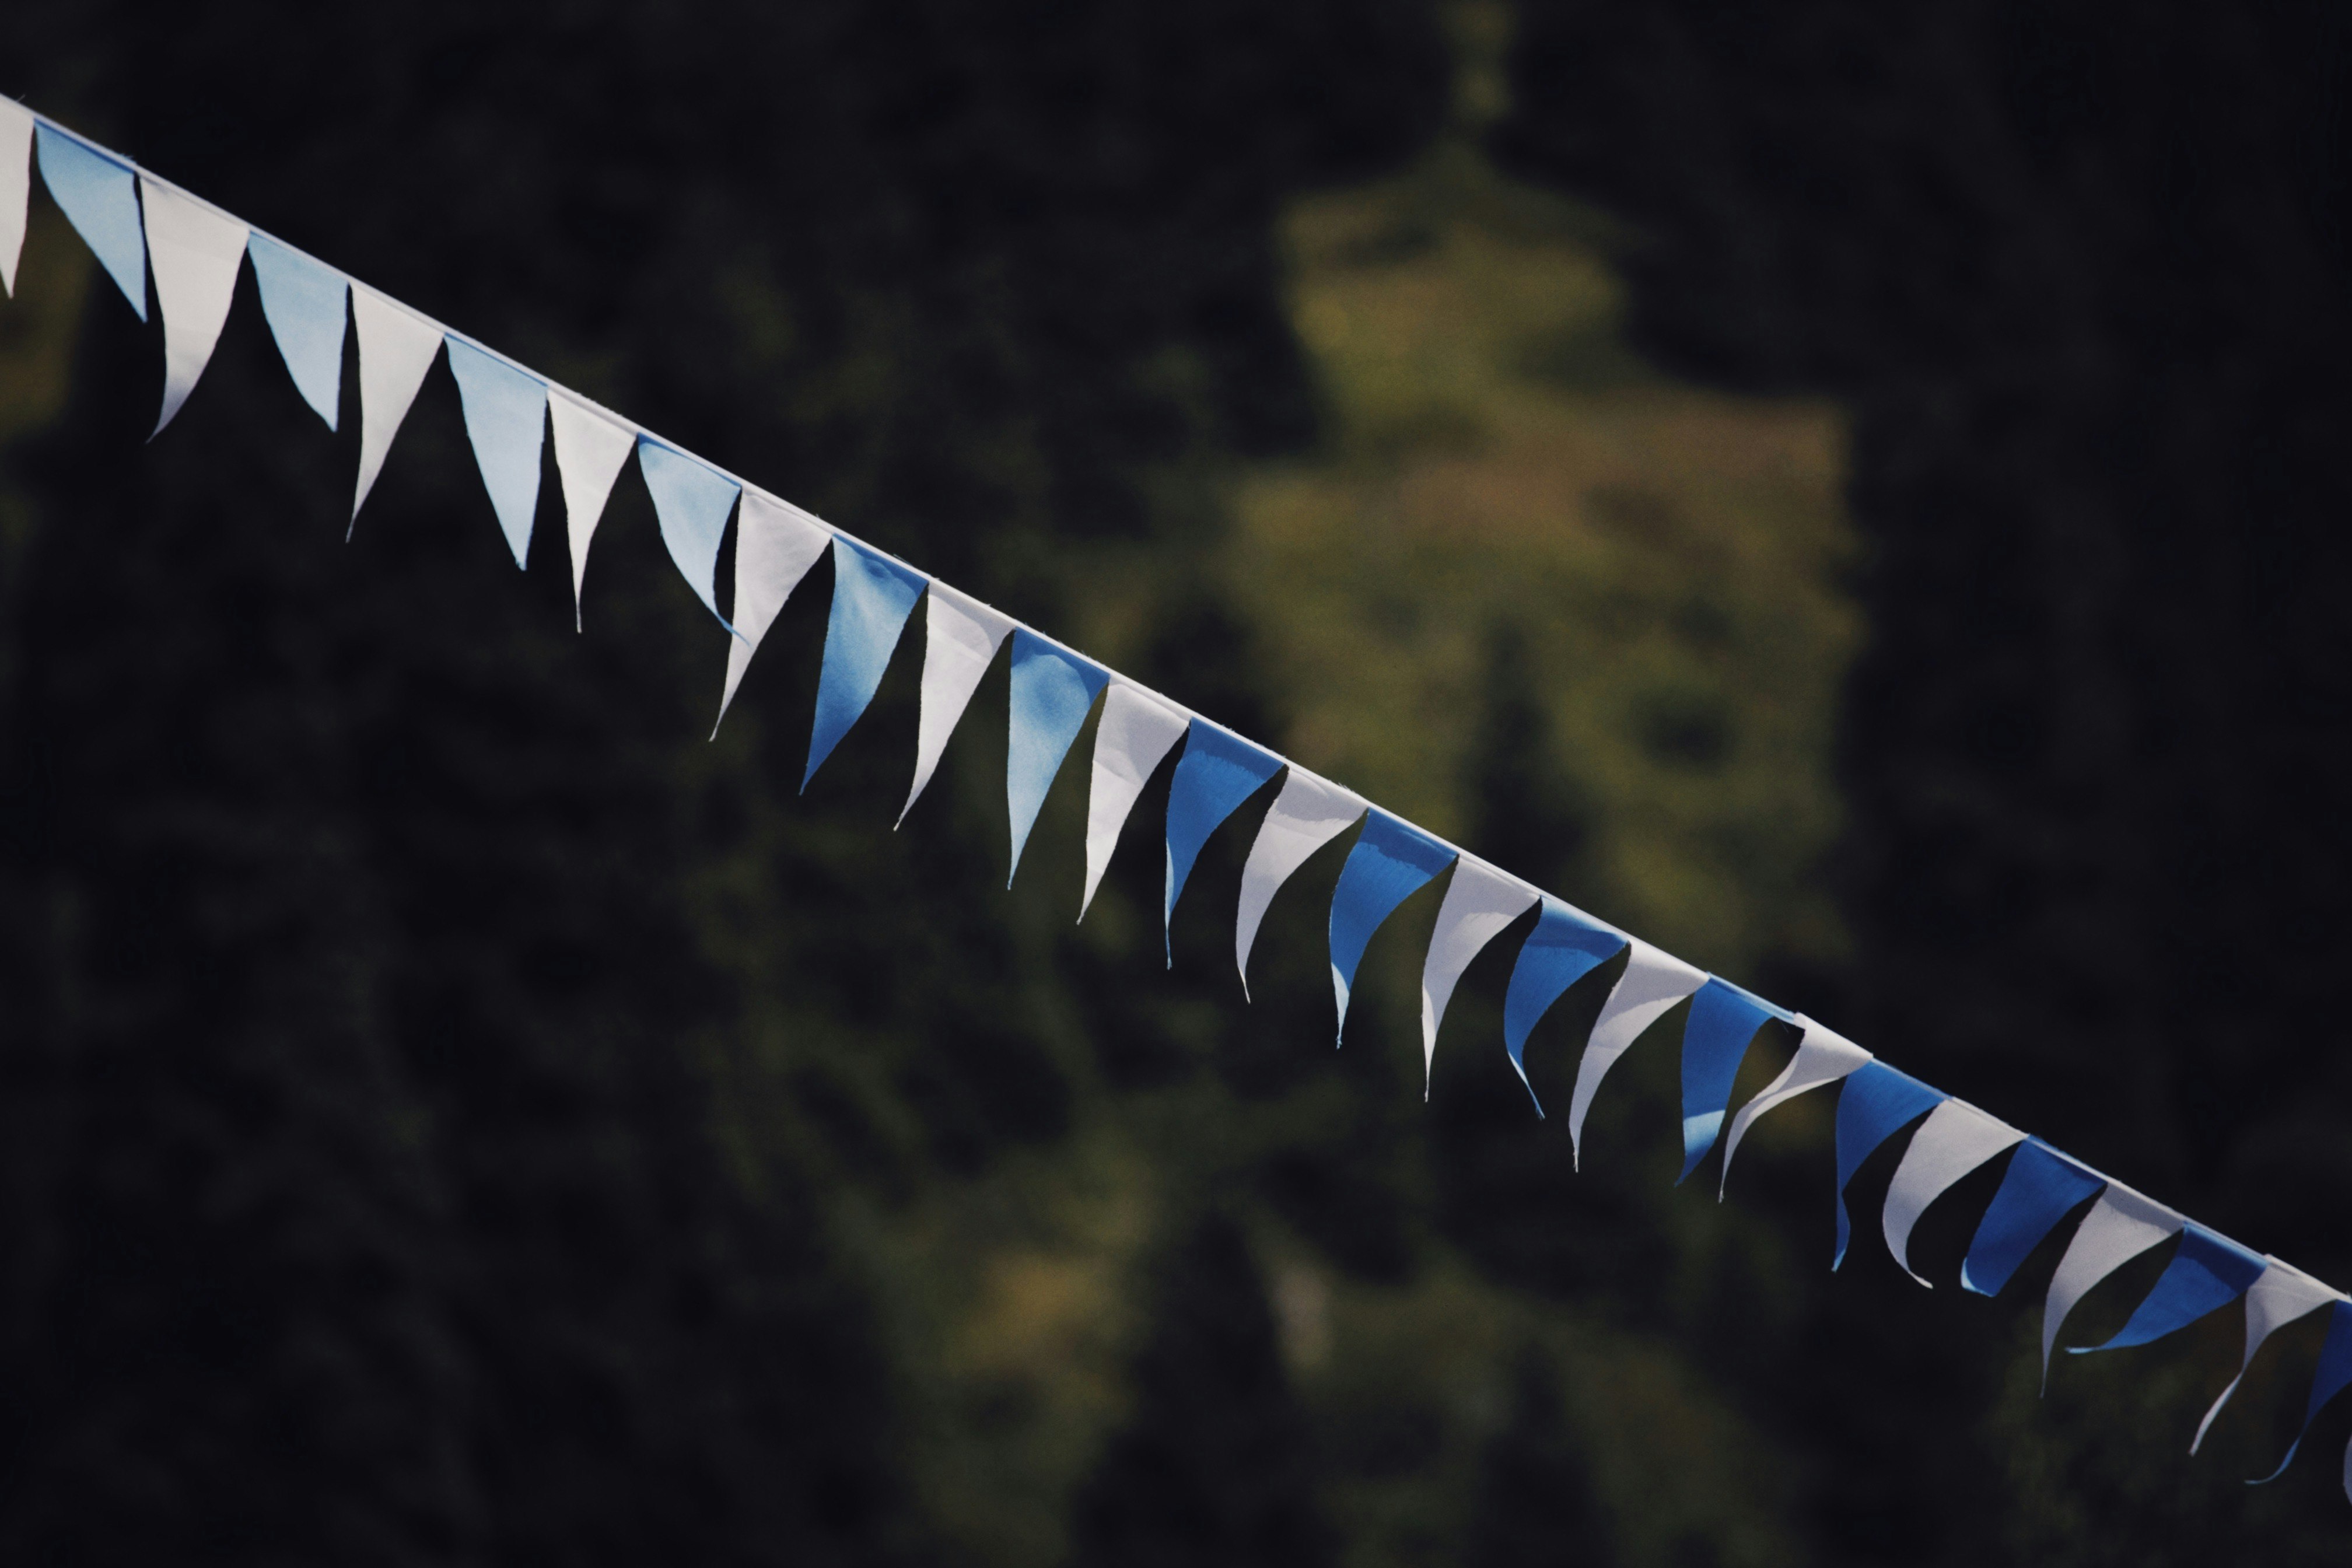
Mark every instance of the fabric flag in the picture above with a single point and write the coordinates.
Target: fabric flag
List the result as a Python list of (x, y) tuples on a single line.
[(1956, 1139), (2282, 1295), (1308, 813), (1566, 945), (196, 251), (1053, 691), (1723, 1021), (15, 185), (303, 304), (1139, 728), (2332, 1374), (691, 501), (2120, 1227), (775, 545), (960, 636), (1391, 862), (872, 597), (506, 418), (591, 448), (396, 348), (1479, 903), (2041, 1187), (1218, 771), (1653, 982), (2207, 1274), (100, 197), (1876, 1104), (1824, 1056)]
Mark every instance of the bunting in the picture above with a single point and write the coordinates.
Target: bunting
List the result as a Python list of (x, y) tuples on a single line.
[(136, 223)]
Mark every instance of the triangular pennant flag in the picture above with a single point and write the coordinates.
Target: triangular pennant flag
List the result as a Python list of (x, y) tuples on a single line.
[(1824, 1056), (1876, 1104), (1390, 863), (2331, 1377), (2282, 1295), (100, 197), (960, 636), (1309, 812), (1566, 945), (1053, 691), (1723, 1020), (1480, 902), (15, 185), (506, 418), (2120, 1227), (1957, 1137), (691, 500), (1218, 771), (591, 448), (775, 545), (396, 348), (303, 304), (1653, 981), (2041, 1187), (872, 597), (196, 251), (1139, 728), (2207, 1274)]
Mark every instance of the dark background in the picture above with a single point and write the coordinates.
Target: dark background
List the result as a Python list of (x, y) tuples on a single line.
[(442, 1097)]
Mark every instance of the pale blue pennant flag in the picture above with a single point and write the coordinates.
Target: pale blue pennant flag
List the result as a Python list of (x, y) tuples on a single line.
[(1566, 945), (1876, 1103), (100, 196), (1723, 1020), (872, 597), (1053, 691), (1217, 771), (2328, 1380), (692, 501), (2041, 1187), (506, 415), (1391, 861), (302, 300), (2207, 1274)]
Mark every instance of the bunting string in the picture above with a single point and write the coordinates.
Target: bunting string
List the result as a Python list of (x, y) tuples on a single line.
[(136, 223)]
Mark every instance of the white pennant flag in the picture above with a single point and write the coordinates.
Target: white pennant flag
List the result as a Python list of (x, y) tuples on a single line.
[(2282, 1295), (1957, 1137), (1653, 982), (195, 252), (591, 449), (15, 185), (1824, 1056), (775, 545), (1479, 902), (961, 636), (1309, 813), (396, 348), (1138, 729), (2120, 1227)]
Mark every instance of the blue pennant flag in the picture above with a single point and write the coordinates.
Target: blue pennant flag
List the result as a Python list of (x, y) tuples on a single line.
[(2328, 1380), (303, 302), (1053, 691), (1391, 862), (2207, 1274), (100, 196), (2041, 1187), (1723, 1020), (1876, 1104), (692, 501), (1218, 771), (1566, 945), (872, 597), (506, 417)]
